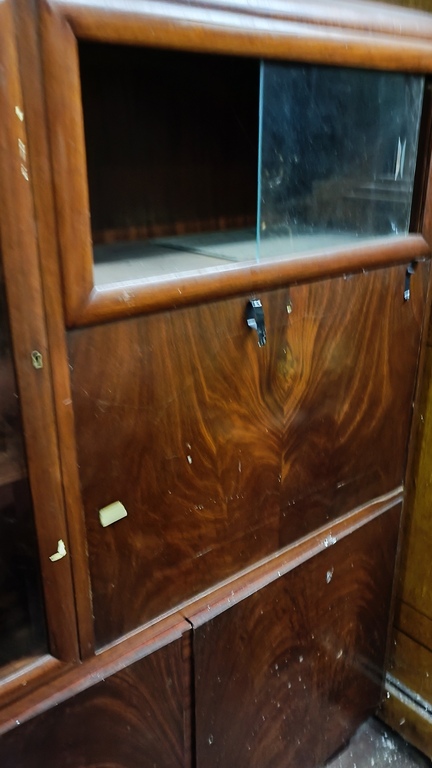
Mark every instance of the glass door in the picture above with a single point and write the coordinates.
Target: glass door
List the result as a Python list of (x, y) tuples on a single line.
[(176, 142), (22, 615), (338, 152)]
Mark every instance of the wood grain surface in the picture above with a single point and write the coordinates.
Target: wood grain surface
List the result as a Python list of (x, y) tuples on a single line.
[(133, 719), (223, 452), (27, 26), (413, 722), (286, 676), (340, 33), (337, 34), (408, 708), (184, 289), (347, 14), (28, 331)]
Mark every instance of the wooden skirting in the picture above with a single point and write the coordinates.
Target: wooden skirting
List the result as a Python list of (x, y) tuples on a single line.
[(409, 714)]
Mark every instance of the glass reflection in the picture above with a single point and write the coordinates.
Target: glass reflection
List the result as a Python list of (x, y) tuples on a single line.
[(176, 141), (337, 158)]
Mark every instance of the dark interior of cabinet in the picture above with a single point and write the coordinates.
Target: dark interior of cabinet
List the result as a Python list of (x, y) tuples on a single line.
[(423, 155), (171, 143), (21, 609)]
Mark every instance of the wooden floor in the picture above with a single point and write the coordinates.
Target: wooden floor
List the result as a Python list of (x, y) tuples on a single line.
[(375, 746)]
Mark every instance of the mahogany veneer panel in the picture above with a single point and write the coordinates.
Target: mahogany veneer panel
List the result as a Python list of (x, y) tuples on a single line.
[(347, 384), (285, 677), (223, 452), (134, 719)]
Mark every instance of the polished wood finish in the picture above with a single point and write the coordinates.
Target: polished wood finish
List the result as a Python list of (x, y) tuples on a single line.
[(285, 677), (28, 330), (404, 709), (235, 463), (62, 87), (60, 685), (410, 702), (384, 40), (365, 16), (342, 32), (241, 586), (308, 434), (26, 23), (132, 719), (77, 679), (137, 298), (37, 694)]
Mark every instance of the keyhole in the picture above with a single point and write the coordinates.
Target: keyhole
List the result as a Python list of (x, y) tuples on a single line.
[(37, 359)]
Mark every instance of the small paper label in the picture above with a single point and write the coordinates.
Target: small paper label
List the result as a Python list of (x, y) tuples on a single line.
[(112, 513)]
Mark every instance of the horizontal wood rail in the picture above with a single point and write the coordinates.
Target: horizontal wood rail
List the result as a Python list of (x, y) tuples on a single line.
[(314, 33), (154, 294), (71, 680)]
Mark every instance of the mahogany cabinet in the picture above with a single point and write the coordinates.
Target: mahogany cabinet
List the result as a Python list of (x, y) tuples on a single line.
[(215, 237), (306, 649), (245, 449)]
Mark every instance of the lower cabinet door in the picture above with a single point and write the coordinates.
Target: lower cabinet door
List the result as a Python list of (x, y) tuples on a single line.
[(284, 677), (281, 678), (134, 719)]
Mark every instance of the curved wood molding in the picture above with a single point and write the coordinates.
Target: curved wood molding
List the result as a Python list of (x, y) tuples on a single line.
[(139, 297), (341, 33), (28, 328), (388, 39)]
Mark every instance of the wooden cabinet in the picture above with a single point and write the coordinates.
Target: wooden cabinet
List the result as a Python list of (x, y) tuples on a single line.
[(223, 452), (407, 708), (305, 649), (33, 521), (216, 300), (135, 717)]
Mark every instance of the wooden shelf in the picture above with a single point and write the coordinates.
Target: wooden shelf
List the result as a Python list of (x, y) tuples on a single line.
[(124, 261)]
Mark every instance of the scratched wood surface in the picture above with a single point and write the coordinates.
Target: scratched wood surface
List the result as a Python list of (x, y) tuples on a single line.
[(286, 676), (133, 719), (27, 322), (223, 452)]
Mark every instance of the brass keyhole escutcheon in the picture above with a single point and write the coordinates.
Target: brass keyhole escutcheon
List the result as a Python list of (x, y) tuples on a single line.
[(37, 359)]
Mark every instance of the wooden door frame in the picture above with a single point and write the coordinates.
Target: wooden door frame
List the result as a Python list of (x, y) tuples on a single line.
[(28, 330), (389, 40)]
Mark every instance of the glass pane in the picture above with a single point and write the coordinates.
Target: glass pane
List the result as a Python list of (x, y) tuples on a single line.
[(22, 632), (337, 158), (172, 159)]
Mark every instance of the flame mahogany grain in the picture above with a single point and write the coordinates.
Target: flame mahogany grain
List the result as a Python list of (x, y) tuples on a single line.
[(222, 452), (286, 676), (133, 719)]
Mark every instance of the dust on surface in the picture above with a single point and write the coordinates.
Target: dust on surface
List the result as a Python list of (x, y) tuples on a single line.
[(375, 746)]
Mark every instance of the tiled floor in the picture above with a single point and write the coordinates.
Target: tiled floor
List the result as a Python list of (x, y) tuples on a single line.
[(375, 746)]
